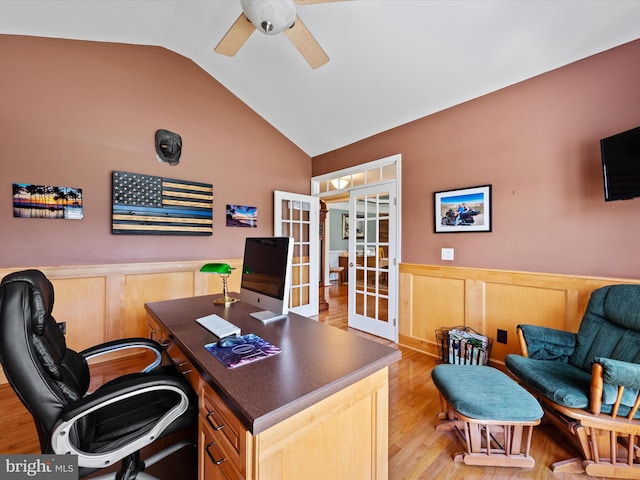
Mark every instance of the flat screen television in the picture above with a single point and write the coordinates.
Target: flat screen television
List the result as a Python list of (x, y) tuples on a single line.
[(621, 165), (266, 276)]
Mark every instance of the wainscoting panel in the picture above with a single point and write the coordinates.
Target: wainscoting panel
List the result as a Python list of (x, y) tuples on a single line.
[(152, 287), (82, 305), (448, 310), (106, 302), (432, 297), (509, 305)]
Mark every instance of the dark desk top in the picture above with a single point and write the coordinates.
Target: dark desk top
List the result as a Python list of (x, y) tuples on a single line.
[(317, 360)]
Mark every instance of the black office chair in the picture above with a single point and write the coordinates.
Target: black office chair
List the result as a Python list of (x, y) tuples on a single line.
[(109, 425)]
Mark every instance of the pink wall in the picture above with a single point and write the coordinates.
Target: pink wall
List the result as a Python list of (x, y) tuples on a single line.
[(72, 112), (537, 143)]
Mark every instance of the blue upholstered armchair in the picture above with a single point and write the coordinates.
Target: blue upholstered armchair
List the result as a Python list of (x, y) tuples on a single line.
[(589, 381)]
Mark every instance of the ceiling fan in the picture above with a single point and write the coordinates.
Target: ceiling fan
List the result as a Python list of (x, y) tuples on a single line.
[(272, 17)]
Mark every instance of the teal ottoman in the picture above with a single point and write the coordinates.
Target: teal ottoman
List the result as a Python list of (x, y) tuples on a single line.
[(494, 415)]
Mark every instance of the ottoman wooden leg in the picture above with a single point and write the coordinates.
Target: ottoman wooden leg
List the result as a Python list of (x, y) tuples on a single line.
[(490, 444)]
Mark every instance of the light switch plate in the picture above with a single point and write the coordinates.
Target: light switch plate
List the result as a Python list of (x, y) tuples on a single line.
[(447, 254)]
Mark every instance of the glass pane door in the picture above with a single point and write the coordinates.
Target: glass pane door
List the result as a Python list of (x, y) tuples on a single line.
[(372, 272), (297, 216)]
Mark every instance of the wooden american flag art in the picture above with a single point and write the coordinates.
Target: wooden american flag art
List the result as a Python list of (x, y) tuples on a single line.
[(149, 205)]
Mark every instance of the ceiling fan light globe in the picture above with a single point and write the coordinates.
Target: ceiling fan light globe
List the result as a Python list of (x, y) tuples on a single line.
[(270, 16)]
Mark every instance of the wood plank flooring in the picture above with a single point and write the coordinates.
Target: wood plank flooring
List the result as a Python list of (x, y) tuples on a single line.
[(416, 450)]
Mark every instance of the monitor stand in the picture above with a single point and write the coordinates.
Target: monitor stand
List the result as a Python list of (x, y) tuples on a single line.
[(265, 316)]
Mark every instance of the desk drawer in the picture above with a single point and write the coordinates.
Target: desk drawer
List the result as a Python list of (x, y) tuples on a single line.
[(225, 427), (157, 333), (216, 461), (183, 365), (174, 354)]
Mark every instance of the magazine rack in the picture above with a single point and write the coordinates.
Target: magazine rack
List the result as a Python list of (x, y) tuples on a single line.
[(462, 346)]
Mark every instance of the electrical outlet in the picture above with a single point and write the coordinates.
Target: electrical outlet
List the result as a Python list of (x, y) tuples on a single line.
[(502, 336)]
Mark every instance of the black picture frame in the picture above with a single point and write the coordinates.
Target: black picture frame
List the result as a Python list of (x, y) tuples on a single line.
[(463, 210)]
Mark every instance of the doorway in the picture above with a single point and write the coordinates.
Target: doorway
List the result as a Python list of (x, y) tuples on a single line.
[(371, 306), (296, 216), (368, 234)]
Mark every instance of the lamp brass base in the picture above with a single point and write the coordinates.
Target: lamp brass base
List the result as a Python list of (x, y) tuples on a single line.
[(225, 300)]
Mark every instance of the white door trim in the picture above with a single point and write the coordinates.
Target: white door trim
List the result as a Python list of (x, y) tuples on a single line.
[(322, 188), (303, 242)]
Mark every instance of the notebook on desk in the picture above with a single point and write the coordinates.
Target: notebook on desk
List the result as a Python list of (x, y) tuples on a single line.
[(252, 348)]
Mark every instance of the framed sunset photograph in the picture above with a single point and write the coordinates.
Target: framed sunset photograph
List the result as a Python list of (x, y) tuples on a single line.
[(242, 216), (45, 201)]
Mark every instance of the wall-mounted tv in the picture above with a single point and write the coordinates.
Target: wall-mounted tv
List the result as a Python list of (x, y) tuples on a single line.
[(621, 165)]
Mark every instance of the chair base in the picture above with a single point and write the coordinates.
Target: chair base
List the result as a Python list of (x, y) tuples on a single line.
[(136, 471), (592, 435), (602, 469)]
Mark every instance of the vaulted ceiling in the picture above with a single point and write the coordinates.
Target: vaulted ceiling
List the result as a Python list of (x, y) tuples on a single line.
[(391, 61)]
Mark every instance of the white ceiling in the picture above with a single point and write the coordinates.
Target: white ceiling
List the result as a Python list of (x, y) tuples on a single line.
[(392, 61)]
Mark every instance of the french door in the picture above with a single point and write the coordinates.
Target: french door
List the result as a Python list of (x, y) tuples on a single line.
[(372, 260), (296, 216)]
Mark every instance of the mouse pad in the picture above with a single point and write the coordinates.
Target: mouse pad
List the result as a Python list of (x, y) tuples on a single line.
[(251, 349)]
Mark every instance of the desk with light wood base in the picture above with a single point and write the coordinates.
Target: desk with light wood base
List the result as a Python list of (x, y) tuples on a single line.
[(317, 410)]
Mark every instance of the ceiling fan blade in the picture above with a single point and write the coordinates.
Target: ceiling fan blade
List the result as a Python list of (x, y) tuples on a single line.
[(306, 44), (237, 35)]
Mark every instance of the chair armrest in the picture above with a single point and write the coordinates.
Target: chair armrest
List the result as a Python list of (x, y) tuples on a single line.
[(115, 345), (544, 343), (617, 372), (135, 385), (132, 385)]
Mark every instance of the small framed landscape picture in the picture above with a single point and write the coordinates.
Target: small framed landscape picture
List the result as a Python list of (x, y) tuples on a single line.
[(463, 210), (359, 226), (242, 216)]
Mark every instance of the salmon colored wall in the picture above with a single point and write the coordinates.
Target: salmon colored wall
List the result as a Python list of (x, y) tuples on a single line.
[(537, 143), (71, 112)]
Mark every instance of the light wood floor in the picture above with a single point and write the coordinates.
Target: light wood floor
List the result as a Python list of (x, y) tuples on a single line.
[(416, 449)]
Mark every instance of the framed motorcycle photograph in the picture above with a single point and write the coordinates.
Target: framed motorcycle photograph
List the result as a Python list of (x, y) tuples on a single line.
[(463, 210)]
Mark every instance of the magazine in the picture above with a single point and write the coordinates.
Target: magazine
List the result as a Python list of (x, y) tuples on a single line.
[(250, 349), (467, 348)]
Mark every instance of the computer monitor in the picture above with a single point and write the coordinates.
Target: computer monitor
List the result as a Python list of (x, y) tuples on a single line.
[(266, 276)]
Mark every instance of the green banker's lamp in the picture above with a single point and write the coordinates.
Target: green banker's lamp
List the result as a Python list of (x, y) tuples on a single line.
[(224, 270)]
